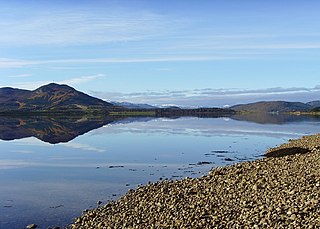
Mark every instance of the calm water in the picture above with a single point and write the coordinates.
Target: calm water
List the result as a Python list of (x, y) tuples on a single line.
[(52, 169)]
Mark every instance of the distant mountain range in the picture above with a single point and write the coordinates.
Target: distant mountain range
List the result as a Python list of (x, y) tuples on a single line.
[(51, 97), (277, 106), (263, 106), (133, 105)]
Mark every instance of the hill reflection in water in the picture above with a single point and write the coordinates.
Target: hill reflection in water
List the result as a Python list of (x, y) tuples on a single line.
[(59, 129), (269, 118), (53, 129)]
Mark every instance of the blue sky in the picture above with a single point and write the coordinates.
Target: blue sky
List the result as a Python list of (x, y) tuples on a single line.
[(182, 52)]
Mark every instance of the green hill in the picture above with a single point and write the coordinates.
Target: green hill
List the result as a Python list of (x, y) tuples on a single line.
[(272, 106)]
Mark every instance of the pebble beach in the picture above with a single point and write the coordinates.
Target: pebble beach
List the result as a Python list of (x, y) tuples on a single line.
[(281, 190)]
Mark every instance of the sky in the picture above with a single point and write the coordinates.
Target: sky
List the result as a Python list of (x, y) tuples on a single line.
[(189, 53)]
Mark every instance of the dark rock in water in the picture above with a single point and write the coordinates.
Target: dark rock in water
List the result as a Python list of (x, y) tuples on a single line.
[(219, 151), (204, 163), (115, 166), (287, 151), (58, 206), (228, 159), (32, 226), (99, 202)]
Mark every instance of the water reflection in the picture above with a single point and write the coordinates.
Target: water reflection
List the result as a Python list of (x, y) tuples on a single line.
[(51, 129), (269, 118), (100, 158), (58, 129)]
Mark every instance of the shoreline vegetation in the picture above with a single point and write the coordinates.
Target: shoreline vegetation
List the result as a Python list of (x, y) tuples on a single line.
[(296, 113), (313, 113), (281, 190), (159, 112)]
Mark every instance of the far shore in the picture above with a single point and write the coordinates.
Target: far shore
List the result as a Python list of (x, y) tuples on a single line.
[(315, 113), (281, 190)]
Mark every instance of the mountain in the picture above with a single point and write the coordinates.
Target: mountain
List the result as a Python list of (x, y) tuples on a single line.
[(316, 109), (272, 106), (133, 105), (314, 104), (51, 97)]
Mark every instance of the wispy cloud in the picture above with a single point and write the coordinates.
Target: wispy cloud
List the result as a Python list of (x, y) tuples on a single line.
[(14, 63), (23, 151), (20, 76), (31, 85), (80, 26), (234, 41), (13, 164), (81, 79), (193, 51), (213, 97)]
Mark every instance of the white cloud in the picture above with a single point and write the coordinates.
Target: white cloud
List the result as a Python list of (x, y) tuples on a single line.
[(81, 79), (13, 164), (207, 42), (13, 63), (20, 76), (31, 85), (164, 37), (213, 97), (23, 151), (81, 26)]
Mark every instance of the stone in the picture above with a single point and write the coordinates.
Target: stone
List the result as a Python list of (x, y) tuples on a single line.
[(32, 226)]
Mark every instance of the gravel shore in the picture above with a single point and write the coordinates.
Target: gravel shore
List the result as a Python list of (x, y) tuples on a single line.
[(280, 191)]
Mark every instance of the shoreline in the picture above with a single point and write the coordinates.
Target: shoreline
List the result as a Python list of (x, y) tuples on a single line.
[(280, 190)]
